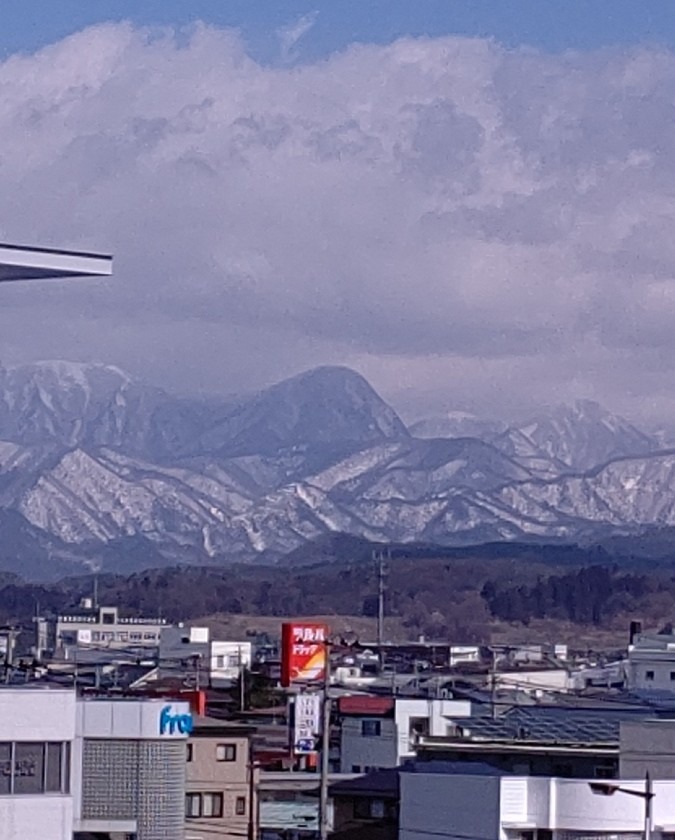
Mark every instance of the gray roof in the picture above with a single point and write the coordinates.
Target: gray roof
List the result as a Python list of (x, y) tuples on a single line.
[(554, 725)]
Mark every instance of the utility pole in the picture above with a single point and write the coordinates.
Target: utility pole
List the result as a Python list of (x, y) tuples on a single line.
[(325, 750), (242, 683), (382, 569), (493, 683)]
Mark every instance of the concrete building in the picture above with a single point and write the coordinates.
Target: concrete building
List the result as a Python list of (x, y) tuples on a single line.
[(647, 746), (217, 662), (380, 732), (651, 661), (481, 803), (72, 768), (221, 782), (97, 629)]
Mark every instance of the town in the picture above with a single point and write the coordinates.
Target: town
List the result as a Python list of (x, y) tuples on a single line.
[(139, 728)]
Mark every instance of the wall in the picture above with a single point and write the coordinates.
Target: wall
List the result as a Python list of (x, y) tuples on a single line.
[(125, 769), (647, 745), (33, 817), (438, 712), (436, 805), (357, 750), (229, 653), (231, 778), (37, 714), (661, 662)]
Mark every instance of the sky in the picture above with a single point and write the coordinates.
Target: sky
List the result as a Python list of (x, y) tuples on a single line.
[(471, 203)]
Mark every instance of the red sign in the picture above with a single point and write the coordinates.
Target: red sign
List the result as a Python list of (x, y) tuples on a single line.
[(303, 652)]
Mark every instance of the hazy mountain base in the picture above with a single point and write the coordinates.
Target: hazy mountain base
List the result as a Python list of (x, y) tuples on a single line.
[(471, 595)]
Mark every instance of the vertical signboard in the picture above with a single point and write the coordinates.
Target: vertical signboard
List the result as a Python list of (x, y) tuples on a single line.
[(303, 652), (306, 723)]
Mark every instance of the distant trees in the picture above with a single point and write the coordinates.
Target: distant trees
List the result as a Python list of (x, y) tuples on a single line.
[(586, 596)]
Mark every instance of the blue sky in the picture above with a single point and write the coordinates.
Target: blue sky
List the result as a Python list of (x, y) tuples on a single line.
[(553, 25), (472, 227)]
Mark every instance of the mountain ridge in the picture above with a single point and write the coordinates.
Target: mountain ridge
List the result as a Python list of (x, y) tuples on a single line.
[(94, 461)]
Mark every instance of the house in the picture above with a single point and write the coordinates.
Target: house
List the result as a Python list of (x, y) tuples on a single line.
[(379, 732), (220, 793), (366, 808)]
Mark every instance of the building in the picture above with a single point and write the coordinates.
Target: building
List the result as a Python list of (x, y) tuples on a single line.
[(74, 768), (379, 732), (221, 782), (651, 661), (217, 662), (95, 629), (456, 802), (366, 808), (647, 746)]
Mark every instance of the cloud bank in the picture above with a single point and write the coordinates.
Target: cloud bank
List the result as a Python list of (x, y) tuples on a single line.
[(470, 226)]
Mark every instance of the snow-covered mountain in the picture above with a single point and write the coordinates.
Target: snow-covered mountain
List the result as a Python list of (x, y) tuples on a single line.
[(108, 470)]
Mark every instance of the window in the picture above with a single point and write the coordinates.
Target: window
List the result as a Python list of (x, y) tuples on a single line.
[(30, 767), (649, 675), (672, 676), (207, 805), (226, 752), (605, 769), (5, 769), (356, 768), (369, 809), (135, 637), (188, 752), (212, 805), (220, 661), (108, 618), (371, 728), (240, 806)]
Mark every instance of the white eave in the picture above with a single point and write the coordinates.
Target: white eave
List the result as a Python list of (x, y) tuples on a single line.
[(20, 262)]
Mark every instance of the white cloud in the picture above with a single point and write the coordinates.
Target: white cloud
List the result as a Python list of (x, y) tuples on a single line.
[(292, 33), (472, 226)]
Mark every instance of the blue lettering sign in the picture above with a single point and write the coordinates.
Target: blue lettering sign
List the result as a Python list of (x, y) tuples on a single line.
[(171, 724)]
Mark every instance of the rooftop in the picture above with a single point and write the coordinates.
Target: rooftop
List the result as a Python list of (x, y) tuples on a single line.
[(21, 262)]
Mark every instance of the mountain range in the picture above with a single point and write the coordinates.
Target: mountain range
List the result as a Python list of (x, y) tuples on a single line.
[(99, 470)]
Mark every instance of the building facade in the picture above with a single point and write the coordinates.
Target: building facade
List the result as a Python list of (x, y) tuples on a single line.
[(380, 732), (486, 805), (92, 628), (73, 768), (220, 796)]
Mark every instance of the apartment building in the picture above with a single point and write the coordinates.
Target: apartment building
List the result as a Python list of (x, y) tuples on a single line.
[(74, 768), (221, 782)]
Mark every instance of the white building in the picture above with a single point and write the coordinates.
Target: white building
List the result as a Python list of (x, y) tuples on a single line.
[(218, 661), (96, 629), (488, 806), (73, 767), (651, 662), (379, 732)]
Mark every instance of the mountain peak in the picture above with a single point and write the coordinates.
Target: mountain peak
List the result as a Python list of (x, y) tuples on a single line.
[(328, 406)]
